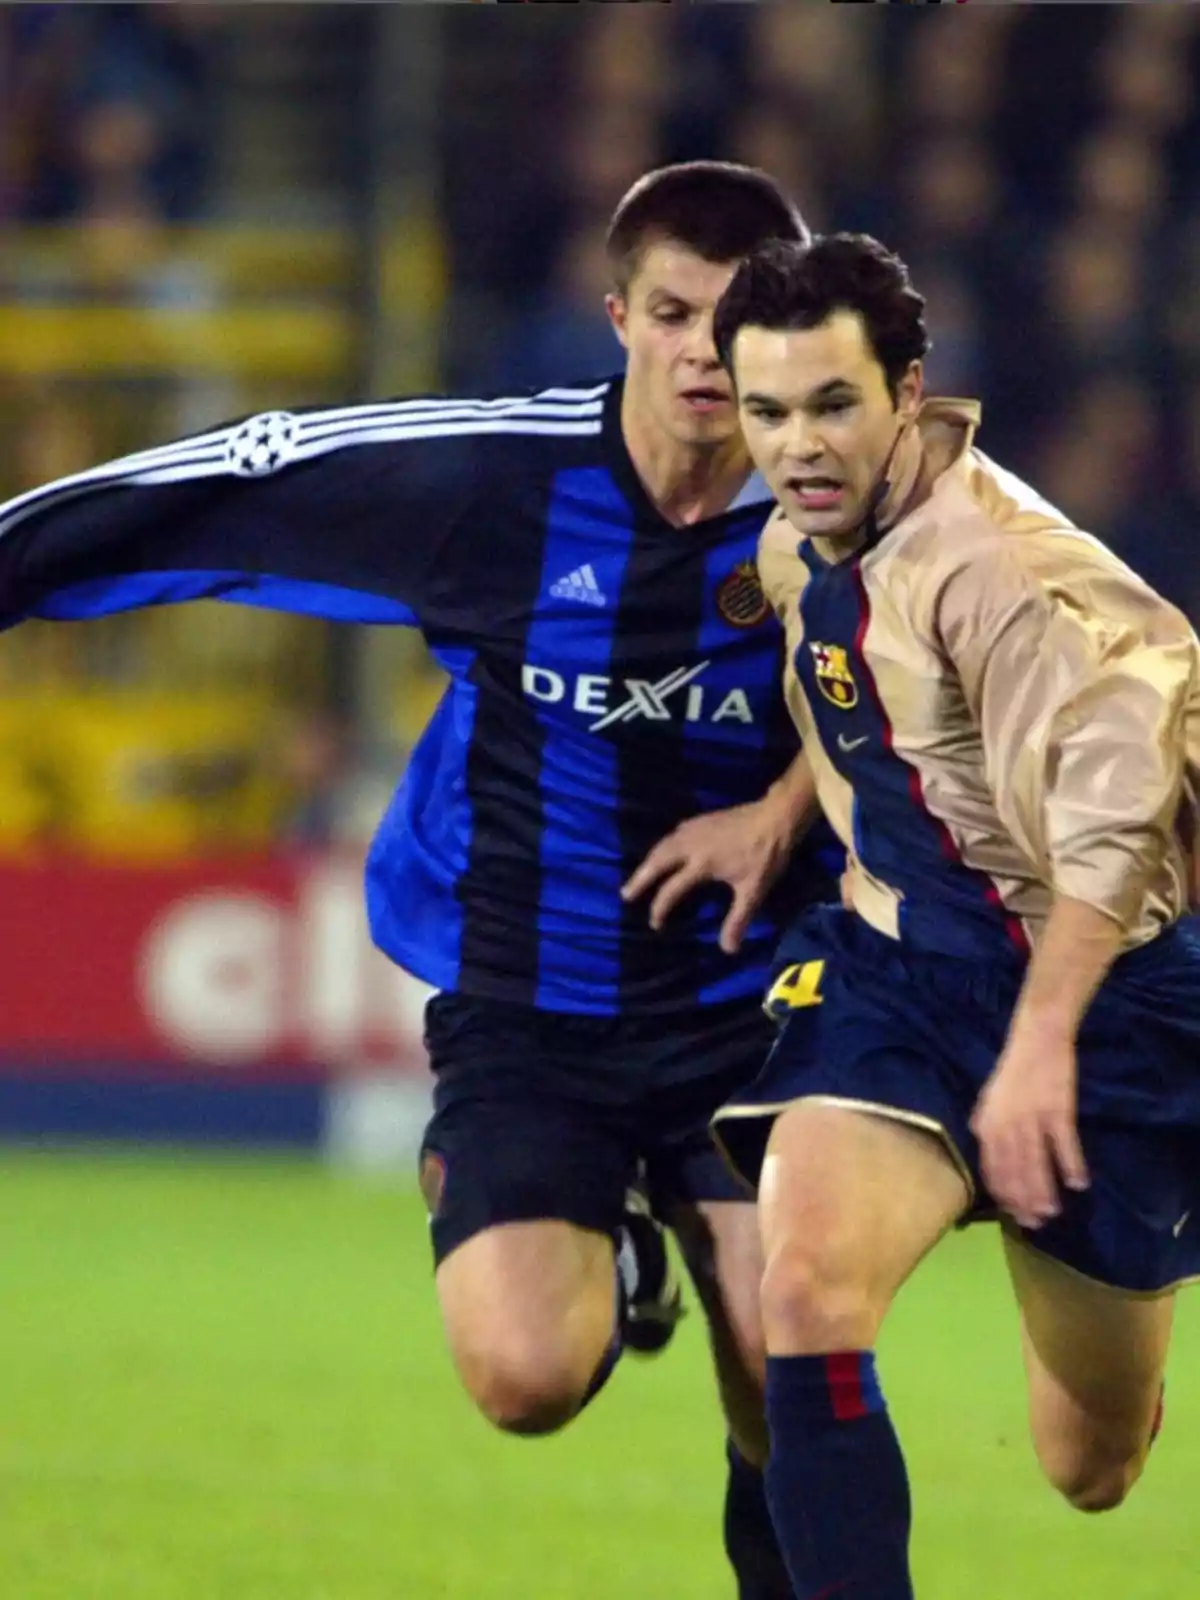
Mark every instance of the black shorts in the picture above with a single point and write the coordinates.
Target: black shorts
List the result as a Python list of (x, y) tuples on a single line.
[(541, 1115)]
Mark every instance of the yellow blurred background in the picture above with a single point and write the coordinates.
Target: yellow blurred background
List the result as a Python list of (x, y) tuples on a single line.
[(208, 210)]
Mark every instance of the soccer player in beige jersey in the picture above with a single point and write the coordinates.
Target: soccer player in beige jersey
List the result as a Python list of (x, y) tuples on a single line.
[(1004, 724)]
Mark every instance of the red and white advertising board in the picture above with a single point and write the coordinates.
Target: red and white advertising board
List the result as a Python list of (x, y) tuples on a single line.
[(259, 969)]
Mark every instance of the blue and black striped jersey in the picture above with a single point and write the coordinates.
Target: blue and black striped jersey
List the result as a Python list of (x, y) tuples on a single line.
[(610, 674)]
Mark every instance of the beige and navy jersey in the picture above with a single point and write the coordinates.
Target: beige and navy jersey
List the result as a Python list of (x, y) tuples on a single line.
[(610, 674), (997, 709)]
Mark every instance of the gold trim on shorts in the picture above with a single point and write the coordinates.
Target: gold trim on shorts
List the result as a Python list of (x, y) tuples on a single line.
[(912, 1119), (742, 1112), (1011, 1231)]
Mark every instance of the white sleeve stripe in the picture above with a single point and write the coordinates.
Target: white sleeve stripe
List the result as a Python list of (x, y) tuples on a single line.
[(309, 428), (585, 402), (311, 449), (193, 463), (184, 462), (193, 444), (307, 448), (317, 422)]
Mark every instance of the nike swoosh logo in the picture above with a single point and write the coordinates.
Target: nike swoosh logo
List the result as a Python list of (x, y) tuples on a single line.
[(1181, 1224), (851, 744)]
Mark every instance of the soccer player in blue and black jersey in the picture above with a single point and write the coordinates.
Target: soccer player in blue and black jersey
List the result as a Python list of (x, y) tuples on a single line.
[(582, 564)]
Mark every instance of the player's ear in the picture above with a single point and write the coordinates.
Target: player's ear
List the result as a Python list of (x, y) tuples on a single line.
[(910, 391), (618, 314)]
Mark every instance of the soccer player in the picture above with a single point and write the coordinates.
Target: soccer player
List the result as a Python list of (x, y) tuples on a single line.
[(1004, 725), (582, 564)]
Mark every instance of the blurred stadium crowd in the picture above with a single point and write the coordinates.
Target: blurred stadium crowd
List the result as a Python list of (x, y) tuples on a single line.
[(190, 228)]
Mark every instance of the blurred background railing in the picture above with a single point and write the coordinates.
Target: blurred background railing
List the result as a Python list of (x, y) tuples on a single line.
[(207, 210)]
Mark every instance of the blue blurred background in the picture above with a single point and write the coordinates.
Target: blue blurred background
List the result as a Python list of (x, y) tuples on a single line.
[(207, 210)]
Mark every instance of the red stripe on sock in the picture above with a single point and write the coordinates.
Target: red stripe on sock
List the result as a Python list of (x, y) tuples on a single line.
[(843, 1374)]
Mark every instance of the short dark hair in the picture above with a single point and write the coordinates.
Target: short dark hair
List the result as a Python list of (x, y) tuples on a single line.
[(718, 209), (784, 285)]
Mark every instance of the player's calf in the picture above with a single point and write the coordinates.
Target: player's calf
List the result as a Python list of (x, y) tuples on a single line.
[(722, 1249)]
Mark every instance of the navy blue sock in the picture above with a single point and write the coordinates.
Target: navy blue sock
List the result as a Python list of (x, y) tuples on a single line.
[(836, 1482), (750, 1541)]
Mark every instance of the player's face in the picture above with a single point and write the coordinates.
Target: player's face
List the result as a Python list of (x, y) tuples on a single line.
[(818, 418), (665, 321)]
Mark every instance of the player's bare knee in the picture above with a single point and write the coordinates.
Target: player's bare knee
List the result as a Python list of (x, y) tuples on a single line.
[(1102, 1489), (525, 1390), (1093, 1482), (813, 1299)]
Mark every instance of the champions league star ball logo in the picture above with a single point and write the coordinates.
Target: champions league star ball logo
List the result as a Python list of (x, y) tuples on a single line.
[(262, 445)]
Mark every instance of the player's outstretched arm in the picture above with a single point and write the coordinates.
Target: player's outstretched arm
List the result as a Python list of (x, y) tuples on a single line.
[(339, 513), (746, 847)]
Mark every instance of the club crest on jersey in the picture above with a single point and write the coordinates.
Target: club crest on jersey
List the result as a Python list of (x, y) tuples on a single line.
[(740, 598), (831, 663)]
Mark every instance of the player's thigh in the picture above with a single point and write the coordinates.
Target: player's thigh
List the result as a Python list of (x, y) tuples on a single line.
[(525, 1182), (850, 1200), (720, 1243), (1094, 1359)]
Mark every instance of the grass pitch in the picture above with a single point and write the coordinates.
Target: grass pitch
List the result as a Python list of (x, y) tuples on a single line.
[(223, 1380)]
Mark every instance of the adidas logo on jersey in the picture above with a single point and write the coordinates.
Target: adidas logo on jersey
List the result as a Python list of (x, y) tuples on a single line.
[(580, 585)]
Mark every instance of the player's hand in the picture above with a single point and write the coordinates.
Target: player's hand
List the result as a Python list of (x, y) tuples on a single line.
[(745, 847), (1025, 1121)]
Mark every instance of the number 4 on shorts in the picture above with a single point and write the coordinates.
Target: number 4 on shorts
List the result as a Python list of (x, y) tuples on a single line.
[(796, 987)]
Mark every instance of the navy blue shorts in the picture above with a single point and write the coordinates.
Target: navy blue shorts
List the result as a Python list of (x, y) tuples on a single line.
[(547, 1115), (916, 1036)]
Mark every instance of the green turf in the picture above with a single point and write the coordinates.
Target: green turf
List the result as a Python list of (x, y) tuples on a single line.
[(222, 1380)]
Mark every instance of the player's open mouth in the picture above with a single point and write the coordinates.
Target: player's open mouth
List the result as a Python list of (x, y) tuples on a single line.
[(706, 400), (816, 494)]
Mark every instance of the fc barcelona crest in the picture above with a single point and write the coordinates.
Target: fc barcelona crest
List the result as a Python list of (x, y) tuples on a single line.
[(831, 664), (740, 597)]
